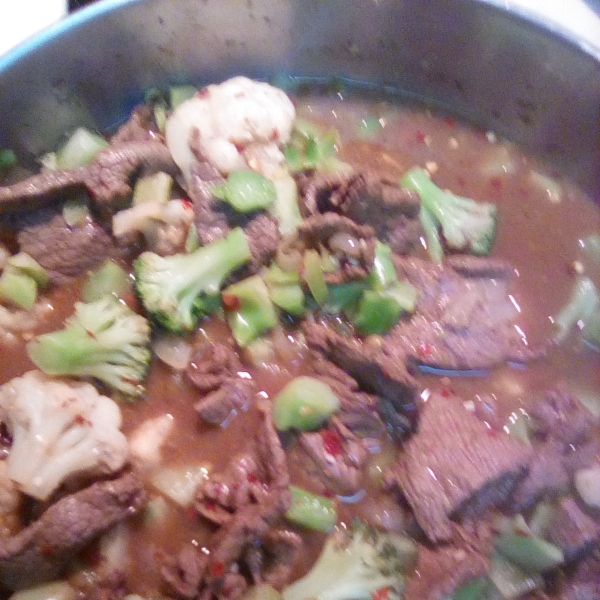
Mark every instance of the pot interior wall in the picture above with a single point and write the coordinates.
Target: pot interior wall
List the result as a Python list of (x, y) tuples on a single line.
[(480, 62)]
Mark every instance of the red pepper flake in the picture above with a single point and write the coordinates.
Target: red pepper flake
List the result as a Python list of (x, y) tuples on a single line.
[(239, 147), (450, 122), (210, 505), (190, 513), (425, 349), (496, 183), (203, 93), (274, 137), (252, 478), (420, 137), (231, 302), (187, 203), (90, 333), (445, 393), (217, 569), (522, 533), (328, 494), (381, 594), (131, 301), (81, 420), (47, 549), (332, 442)]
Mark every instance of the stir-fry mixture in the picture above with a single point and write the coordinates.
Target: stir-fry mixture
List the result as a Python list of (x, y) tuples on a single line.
[(334, 348)]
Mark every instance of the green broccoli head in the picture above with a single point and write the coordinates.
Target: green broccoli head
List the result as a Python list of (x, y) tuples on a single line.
[(177, 290), (355, 564), (105, 340), (466, 225)]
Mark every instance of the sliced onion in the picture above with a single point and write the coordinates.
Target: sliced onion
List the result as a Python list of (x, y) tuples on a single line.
[(587, 484), (179, 484), (345, 244), (173, 350)]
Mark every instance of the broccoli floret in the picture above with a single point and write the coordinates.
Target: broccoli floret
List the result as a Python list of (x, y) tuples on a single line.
[(59, 429), (103, 339), (177, 290), (355, 564), (466, 225)]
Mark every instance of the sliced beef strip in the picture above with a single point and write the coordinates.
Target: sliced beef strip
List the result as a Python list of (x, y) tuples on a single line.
[(443, 569), (40, 551), (141, 127), (464, 318), (339, 456), (369, 199), (183, 574), (214, 218), (455, 466), (217, 372), (573, 530), (352, 245), (563, 431), (65, 252), (377, 371), (108, 178), (358, 410), (249, 479)]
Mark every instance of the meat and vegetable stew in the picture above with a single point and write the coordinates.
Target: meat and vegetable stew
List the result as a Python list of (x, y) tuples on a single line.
[(335, 348)]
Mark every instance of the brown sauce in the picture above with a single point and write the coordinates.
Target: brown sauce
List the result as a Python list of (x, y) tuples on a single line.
[(539, 237)]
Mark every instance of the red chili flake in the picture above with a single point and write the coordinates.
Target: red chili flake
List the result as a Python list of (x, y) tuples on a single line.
[(231, 302), (274, 137), (461, 181), (425, 349), (332, 442), (252, 478), (522, 533), (496, 183), (190, 513), (203, 93), (81, 420), (187, 204), (492, 433), (381, 594), (47, 549), (210, 505), (328, 494), (445, 393), (239, 147), (217, 569), (132, 302), (420, 136), (450, 122), (90, 333)]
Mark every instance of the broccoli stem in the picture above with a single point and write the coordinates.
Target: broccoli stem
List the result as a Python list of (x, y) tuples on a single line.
[(434, 244), (376, 313), (110, 279), (246, 191), (285, 290), (17, 288), (305, 403), (314, 276), (254, 312), (285, 206), (311, 511)]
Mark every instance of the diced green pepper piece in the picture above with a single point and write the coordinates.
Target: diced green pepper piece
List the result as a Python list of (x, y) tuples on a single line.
[(7, 159), (180, 93), (383, 274), (343, 295), (285, 206), (311, 511), (80, 149), (314, 276), (475, 590), (251, 311), (17, 288), (288, 297), (192, 241), (304, 403), (153, 188), (246, 191), (530, 553), (275, 275), (377, 312), (24, 263), (510, 581), (110, 278)]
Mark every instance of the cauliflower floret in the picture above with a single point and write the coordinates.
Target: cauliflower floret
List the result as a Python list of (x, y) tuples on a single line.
[(235, 125), (59, 429)]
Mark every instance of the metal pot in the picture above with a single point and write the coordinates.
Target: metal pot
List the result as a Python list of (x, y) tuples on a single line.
[(493, 67)]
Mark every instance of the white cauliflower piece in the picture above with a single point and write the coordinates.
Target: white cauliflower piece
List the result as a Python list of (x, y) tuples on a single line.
[(145, 443), (59, 429), (240, 124)]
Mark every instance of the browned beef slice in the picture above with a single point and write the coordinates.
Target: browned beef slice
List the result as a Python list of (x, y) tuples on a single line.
[(40, 189), (443, 569), (585, 584), (455, 466), (366, 198), (571, 529), (140, 127), (216, 371), (108, 178), (339, 456), (358, 410), (183, 574), (376, 370), (65, 252), (110, 175), (564, 442), (214, 218), (352, 245), (40, 551), (464, 317), (249, 478)]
